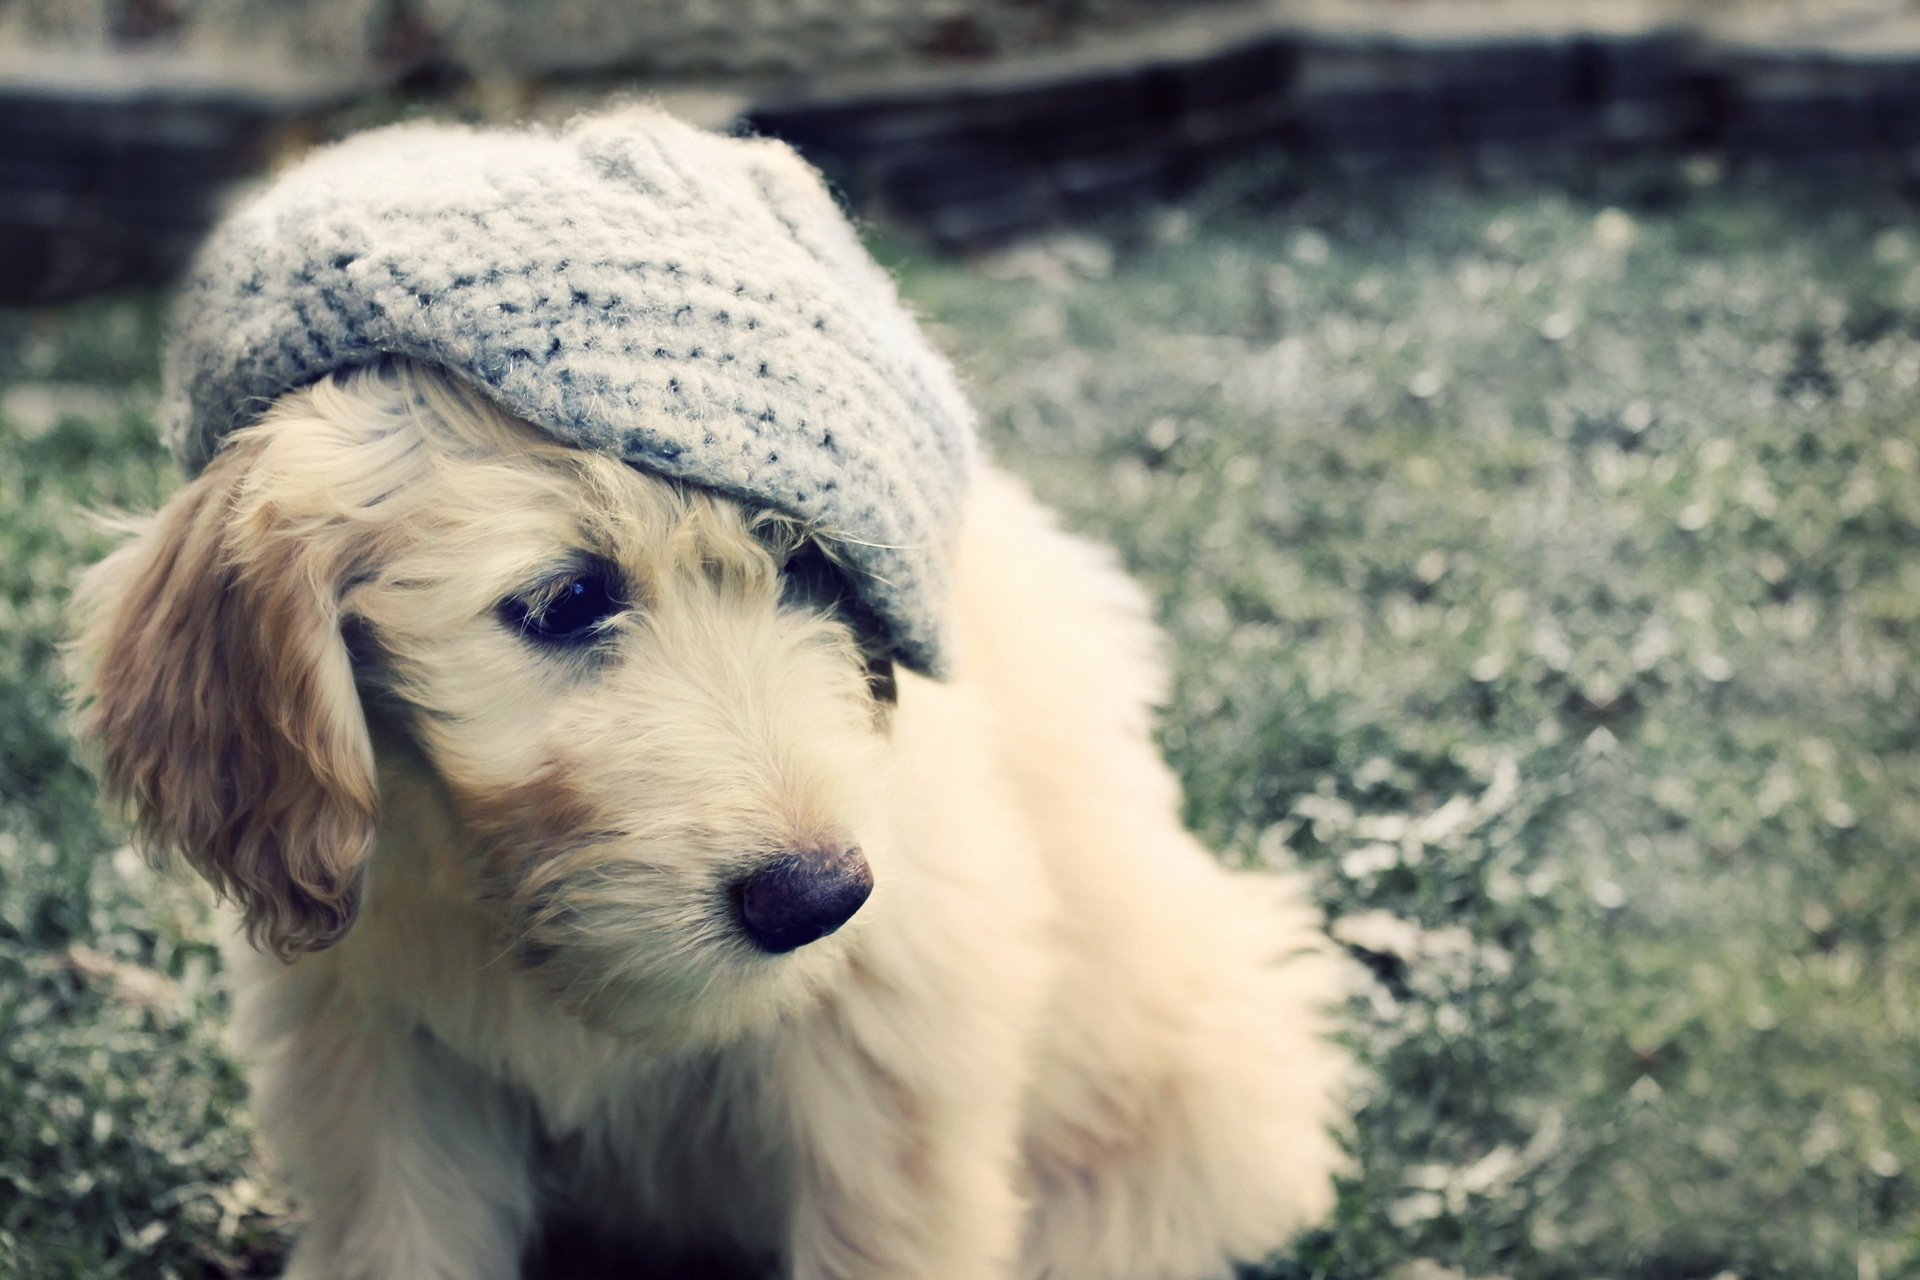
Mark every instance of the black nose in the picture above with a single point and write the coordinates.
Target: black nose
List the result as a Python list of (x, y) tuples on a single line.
[(803, 896)]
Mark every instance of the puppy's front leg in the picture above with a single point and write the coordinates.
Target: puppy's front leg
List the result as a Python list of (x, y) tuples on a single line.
[(410, 1164), (906, 1157)]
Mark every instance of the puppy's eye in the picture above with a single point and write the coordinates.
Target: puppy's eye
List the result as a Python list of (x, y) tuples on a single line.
[(809, 580), (568, 611)]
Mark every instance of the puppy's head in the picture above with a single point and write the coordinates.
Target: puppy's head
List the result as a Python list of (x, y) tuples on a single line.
[(658, 716)]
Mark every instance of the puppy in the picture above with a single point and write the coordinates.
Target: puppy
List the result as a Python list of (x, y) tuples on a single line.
[(597, 868)]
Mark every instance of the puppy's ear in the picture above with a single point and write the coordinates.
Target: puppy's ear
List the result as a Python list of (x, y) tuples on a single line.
[(217, 690)]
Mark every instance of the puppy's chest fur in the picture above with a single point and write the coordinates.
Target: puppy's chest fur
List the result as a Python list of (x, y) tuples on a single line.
[(655, 1158), (671, 1153), (664, 1148), (676, 1149)]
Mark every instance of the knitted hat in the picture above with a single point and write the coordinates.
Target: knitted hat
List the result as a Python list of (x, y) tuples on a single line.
[(694, 304)]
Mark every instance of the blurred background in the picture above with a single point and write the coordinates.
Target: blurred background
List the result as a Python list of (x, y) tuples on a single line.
[(1511, 407)]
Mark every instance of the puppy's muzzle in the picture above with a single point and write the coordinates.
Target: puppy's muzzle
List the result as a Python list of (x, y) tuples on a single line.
[(802, 896)]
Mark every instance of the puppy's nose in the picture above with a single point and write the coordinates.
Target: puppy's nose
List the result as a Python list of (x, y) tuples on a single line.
[(803, 896)]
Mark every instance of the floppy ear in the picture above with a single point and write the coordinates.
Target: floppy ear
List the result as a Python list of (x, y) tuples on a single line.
[(216, 688)]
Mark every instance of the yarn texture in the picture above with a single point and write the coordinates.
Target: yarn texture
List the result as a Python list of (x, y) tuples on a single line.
[(694, 304)]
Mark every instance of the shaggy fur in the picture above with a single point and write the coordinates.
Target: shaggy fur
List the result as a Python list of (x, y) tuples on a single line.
[(497, 979)]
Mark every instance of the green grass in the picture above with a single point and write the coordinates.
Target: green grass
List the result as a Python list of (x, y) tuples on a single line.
[(1541, 573), (123, 1147)]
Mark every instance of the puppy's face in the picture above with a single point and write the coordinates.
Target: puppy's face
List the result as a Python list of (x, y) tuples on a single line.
[(657, 715)]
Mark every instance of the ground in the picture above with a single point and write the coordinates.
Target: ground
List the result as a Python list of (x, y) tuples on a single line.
[(1540, 571)]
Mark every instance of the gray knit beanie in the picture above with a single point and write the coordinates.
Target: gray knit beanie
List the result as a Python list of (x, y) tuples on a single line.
[(694, 304)]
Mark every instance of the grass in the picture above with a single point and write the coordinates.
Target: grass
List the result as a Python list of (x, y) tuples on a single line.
[(1541, 574), (123, 1147)]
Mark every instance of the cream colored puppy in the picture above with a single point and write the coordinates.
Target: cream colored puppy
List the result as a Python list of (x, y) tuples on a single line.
[(597, 871)]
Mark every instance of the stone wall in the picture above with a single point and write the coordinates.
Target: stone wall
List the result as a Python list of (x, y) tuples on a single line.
[(973, 162), (112, 166), (597, 37)]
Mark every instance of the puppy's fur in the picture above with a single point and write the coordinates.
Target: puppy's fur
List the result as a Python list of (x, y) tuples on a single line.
[(496, 975)]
